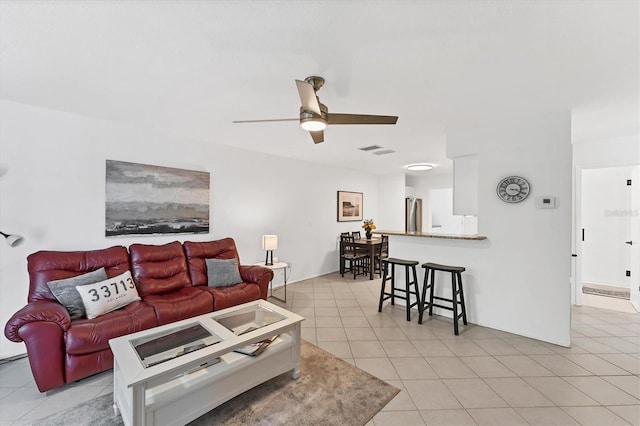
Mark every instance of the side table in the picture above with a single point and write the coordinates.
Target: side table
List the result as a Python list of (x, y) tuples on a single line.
[(277, 266)]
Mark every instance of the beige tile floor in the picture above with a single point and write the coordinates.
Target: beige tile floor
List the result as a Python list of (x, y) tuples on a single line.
[(483, 376)]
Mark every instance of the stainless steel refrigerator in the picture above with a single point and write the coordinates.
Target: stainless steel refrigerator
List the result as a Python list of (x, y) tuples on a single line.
[(413, 214)]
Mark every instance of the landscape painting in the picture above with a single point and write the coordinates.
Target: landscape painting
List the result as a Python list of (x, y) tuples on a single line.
[(349, 206), (143, 199)]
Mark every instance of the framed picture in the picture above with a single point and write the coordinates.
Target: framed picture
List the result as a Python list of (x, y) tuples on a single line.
[(142, 199), (349, 206)]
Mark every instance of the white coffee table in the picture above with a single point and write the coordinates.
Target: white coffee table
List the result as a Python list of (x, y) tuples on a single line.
[(175, 373)]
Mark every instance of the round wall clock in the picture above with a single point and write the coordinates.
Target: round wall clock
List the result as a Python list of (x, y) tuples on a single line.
[(513, 189)]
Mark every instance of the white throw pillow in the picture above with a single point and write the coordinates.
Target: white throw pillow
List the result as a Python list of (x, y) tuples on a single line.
[(108, 295)]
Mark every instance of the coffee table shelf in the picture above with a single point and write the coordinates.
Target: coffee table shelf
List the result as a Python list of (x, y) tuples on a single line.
[(183, 388)]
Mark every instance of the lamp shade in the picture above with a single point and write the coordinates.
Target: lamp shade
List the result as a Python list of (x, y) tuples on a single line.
[(12, 240), (269, 242)]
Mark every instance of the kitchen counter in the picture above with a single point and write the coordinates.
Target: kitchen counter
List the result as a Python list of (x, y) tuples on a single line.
[(434, 235)]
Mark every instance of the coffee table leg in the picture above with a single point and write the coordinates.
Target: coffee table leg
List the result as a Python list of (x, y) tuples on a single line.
[(295, 337), (139, 408), (116, 372)]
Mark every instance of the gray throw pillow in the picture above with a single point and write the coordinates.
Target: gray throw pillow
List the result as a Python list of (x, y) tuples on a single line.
[(222, 272), (65, 291)]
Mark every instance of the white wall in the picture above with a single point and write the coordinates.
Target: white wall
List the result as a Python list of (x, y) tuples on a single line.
[(391, 193), (518, 280), (607, 152), (465, 185), (52, 188)]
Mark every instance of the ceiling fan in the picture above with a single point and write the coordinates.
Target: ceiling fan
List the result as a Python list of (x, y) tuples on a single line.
[(315, 116)]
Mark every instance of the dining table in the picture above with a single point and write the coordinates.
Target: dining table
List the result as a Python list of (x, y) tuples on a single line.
[(371, 245)]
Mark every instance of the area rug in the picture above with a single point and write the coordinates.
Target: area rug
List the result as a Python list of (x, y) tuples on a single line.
[(606, 290), (329, 391)]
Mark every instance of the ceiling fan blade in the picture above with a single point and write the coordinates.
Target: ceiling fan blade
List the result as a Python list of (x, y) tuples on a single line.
[(360, 119), (317, 136), (266, 121), (308, 97)]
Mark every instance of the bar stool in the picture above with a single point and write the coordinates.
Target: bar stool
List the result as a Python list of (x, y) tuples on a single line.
[(456, 289), (408, 265)]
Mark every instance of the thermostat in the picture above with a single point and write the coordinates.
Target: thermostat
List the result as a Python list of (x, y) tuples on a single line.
[(545, 202)]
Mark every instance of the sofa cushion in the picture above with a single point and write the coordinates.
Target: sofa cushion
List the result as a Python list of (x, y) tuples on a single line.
[(222, 272), (159, 269), (198, 252), (108, 295), (90, 335), (45, 266), (225, 297), (185, 303), (65, 291)]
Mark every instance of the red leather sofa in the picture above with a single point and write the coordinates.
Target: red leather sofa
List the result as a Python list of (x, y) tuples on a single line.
[(171, 280)]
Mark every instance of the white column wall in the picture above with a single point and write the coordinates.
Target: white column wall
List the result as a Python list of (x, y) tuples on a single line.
[(52, 186), (518, 280)]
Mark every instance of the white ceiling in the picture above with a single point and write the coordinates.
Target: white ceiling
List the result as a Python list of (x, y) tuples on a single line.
[(192, 67)]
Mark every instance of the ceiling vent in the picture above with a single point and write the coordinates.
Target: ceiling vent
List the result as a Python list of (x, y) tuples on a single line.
[(384, 151), (369, 148)]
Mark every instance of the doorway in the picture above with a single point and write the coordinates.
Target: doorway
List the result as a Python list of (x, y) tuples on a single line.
[(606, 233)]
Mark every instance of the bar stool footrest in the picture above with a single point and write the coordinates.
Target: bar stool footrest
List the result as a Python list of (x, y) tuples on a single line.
[(388, 296)]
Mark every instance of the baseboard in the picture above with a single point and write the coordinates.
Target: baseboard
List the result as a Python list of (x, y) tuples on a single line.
[(618, 292)]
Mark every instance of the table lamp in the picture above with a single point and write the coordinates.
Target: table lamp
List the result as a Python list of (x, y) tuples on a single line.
[(269, 243)]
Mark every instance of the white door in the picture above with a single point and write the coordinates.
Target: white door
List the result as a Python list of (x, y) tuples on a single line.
[(607, 216)]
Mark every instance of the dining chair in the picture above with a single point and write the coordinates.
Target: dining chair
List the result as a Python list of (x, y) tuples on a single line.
[(349, 253), (381, 253), (362, 250), (344, 259)]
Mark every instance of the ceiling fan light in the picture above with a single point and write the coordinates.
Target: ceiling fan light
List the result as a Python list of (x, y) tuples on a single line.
[(313, 124), (419, 167)]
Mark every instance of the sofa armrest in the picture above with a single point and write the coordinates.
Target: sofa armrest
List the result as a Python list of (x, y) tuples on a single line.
[(259, 275), (38, 311)]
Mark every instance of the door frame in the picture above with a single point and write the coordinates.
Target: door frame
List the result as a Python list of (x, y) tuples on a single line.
[(635, 234)]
